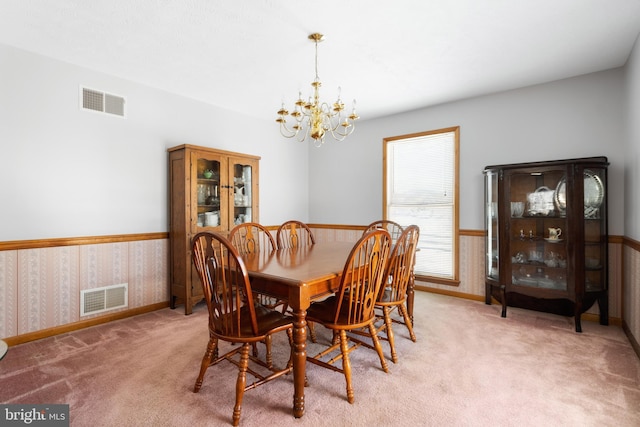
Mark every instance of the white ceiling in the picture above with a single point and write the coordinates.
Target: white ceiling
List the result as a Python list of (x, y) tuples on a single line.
[(392, 56)]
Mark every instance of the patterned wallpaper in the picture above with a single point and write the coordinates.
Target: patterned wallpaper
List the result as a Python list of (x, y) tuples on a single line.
[(632, 285), (40, 287)]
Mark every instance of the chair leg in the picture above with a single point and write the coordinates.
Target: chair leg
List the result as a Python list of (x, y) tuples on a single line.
[(312, 331), (336, 338), (408, 322), (268, 357), (377, 346), (346, 364), (212, 347), (290, 337), (390, 337), (241, 382)]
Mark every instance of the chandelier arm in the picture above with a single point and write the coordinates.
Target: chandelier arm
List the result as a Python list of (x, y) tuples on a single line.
[(304, 133), (286, 132), (339, 136)]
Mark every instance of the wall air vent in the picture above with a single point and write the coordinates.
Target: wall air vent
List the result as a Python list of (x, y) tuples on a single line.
[(107, 298), (102, 102)]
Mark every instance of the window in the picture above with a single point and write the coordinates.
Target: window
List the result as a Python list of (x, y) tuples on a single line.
[(420, 174)]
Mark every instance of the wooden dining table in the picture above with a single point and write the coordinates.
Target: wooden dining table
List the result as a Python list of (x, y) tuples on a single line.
[(300, 276)]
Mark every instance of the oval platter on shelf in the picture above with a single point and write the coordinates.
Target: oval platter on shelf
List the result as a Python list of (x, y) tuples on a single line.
[(593, 194)]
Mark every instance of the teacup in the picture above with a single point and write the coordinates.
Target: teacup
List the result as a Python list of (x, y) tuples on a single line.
[(554, 233)]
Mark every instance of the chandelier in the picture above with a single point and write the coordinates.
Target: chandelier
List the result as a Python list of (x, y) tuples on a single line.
[(313, 118)]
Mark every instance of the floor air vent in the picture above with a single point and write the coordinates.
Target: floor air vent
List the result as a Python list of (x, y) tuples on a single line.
[(107, 298), (102, 102)]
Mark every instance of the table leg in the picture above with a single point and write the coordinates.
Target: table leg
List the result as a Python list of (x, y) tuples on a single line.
[(299, 360)]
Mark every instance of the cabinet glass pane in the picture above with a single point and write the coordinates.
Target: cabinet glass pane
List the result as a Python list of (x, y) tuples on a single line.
[(594, 230), (242, 193), (491, 218), (208, 192), (537, 245)]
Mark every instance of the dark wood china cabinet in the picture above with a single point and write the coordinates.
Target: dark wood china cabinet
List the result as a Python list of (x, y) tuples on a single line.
[(547, 238)]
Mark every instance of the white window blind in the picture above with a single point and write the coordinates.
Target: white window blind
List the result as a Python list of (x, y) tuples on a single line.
[(420, 189)]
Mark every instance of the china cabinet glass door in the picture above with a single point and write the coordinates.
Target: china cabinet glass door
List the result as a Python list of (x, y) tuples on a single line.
[(208, 191), (243, 191), (537, 244), (595, 231)]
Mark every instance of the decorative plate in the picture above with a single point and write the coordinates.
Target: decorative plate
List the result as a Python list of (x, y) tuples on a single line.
[(553, 240), (593, 194)]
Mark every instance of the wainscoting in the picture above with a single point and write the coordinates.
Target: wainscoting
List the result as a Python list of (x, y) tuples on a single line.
[(40, 286), (40, 281), (631, 296)]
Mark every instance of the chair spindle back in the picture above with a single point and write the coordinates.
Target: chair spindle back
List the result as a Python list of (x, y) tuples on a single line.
[(361, 279), (293, 234), (226, 286)]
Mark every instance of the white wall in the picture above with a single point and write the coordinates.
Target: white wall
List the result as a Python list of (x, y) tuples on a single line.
[(632, 147), (631, 285), (67, 172), (577, 117)]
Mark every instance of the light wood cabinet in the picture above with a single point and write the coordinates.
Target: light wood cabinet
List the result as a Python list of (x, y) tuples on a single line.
[(209, 189), (547, 238)]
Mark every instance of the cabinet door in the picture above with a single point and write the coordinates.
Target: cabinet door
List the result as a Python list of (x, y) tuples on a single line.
[(536, 233), (593, 195), (243, 194), (208, 172)]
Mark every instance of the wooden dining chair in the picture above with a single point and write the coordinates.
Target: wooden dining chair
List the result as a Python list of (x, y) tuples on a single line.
[(395, 230), (392, 227), (352, 306), (234, 316), (292, 234), (253, 238), (393, 292)]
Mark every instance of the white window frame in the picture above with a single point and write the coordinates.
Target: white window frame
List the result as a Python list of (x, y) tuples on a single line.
[(432, 264)]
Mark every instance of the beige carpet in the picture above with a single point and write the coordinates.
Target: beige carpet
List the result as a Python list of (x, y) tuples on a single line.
[(470, 367)]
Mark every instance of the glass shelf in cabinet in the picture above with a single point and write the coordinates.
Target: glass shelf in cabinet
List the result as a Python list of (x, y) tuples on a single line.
[(593, 287)]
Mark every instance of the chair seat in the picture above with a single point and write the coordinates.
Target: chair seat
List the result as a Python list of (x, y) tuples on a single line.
[(324, 312), (387, 298), (269, 321)]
